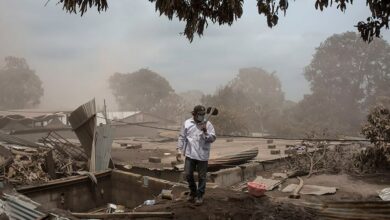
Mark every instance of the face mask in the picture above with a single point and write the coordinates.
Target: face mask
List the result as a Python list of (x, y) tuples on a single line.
[(200, 118)]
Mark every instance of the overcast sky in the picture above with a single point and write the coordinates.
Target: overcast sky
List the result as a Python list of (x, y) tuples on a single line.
[(74, 56)]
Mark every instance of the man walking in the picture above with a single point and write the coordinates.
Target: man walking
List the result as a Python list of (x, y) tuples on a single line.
[(195, 138)]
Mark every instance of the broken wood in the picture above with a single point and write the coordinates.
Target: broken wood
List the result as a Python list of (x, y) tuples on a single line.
[(295, 194)]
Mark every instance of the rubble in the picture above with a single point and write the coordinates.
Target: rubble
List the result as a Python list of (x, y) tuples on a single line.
[(27, 168)]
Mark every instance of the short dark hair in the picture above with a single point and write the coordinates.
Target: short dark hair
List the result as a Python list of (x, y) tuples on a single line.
[(198, 109)]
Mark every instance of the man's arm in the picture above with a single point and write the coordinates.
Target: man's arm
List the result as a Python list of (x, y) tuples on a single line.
[(181, 141), (210, 133)]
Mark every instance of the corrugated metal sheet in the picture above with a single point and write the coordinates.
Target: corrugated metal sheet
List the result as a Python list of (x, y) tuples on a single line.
[(83, 121), (358, 210), (114, 116), (103, 144), (10, 139), (20, 207), (234, 158)]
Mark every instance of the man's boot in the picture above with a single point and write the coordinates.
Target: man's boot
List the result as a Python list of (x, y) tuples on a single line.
[(199, 200), (191, 198)]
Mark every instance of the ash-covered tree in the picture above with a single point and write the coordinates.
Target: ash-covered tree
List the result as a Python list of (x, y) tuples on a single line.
[(254, 97), (198, 13), (20, 87), (346, 78), (264, 92), (191, 98), (171, 107), (377, 130), (233, 106), (140, 90)]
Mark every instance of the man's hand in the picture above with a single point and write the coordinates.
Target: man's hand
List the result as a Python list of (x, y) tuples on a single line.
[(178, 156), (203, 127)]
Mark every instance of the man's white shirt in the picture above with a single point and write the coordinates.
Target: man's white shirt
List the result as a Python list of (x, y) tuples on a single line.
[(193, 142)]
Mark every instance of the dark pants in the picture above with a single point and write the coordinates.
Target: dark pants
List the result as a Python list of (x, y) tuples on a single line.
[(201, 167)]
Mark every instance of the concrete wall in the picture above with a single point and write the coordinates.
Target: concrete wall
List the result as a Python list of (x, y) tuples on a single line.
[(227, 177), (77, 195), (131, 189), (231, 176), (249, 170), (165, 174)]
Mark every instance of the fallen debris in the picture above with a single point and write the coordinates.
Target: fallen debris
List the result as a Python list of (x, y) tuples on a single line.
[(354, 210), (17, 206), (311, 189), (297, 189), (238, 158), (270, 184), (154, 160), (240, 187), (150, 202), (27, 168), (130, 145), (280, 175), (384, 194), (166, 194), (5, 157)]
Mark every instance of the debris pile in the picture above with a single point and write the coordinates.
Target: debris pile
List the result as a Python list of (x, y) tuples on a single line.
[(67, 157), (24, 163), (28, 167)]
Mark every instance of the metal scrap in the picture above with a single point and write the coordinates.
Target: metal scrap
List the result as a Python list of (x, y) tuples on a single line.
[(20, 207), (10, 139), (103, 144), (83, 122), (311, 189), (237, 158)]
